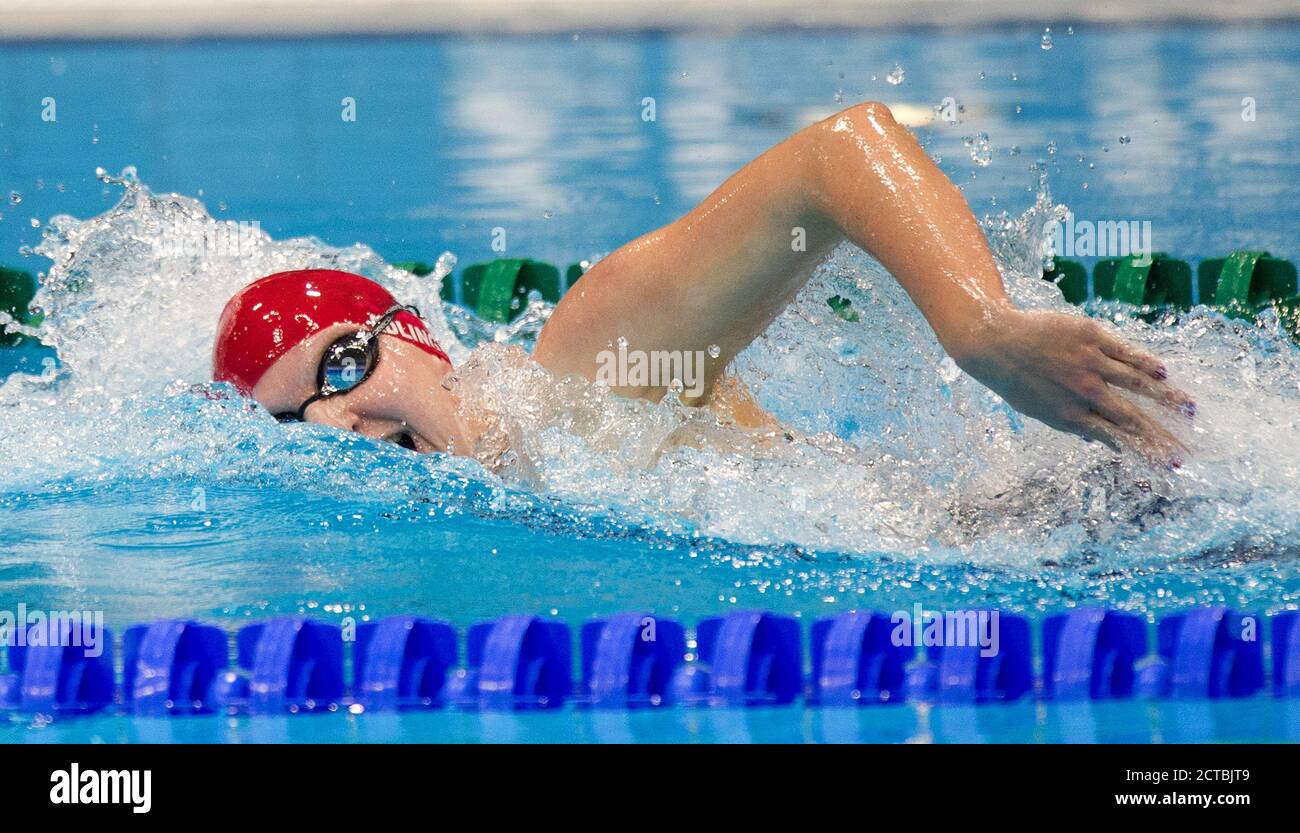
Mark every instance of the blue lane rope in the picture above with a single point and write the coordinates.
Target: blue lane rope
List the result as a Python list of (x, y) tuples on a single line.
[(295, 664)]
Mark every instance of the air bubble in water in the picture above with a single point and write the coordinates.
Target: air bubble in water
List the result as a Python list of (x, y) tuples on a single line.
[(714, 351), (1124, 140), (1051, 148), (1046, 41), (15, 197), (36, 223), (896, 76)]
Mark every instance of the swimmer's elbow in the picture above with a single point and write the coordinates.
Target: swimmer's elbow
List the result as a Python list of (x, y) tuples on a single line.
[(868, 121), (839, 141), (869, 113)]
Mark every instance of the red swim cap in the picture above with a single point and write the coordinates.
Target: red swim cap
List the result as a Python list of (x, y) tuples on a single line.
[(274, 314)]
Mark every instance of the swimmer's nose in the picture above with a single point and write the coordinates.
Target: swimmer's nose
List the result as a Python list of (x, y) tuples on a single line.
[(335, 412)]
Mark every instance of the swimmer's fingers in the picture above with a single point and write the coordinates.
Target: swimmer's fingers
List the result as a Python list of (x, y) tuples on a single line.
[(1130, 428), (1098, 429), (1121, 351), (1124, 375)]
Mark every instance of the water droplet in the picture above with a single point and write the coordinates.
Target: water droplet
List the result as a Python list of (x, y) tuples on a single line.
[(1124, 140), (1069, 30), (1018, 108), (548, 214), (35, 223), (1014, 150), (983, 75), (981, 153), (714, 351), (15, 198), (1046, 40), (1051, 148), (622, 341), (1105, 148), (897, 75), (1015, 76)]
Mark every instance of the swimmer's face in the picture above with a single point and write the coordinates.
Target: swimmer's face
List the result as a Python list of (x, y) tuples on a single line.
[(403, 400)]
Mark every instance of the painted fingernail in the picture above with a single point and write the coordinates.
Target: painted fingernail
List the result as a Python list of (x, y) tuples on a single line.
[(1162, 372)]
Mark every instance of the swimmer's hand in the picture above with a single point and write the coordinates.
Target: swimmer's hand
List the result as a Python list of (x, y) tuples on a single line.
[(1064, 370)]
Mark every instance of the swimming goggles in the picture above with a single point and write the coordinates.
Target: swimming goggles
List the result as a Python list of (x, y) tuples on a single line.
[(347, 362)]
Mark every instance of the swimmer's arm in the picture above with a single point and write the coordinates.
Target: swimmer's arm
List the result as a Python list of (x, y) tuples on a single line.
[(719, 276)]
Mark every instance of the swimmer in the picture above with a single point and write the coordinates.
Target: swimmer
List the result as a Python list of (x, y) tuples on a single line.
[(339, 350)]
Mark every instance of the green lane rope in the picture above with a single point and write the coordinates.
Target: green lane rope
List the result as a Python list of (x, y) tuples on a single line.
[(1245, 281), (1154, 280), (1072, 278), (17, 288)]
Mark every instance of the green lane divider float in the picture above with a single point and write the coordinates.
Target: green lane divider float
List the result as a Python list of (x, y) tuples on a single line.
[(1154, 280), (1071, 277), (17, 288), (1240, 285), (498, 290), (1245, 281)]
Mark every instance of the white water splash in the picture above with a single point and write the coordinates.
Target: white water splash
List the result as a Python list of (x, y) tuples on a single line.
[(895, 451)]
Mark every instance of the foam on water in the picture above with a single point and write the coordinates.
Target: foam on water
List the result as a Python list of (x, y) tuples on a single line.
[(895, 450)]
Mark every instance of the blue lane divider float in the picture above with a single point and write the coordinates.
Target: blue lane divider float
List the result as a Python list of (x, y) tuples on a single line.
[(1206, 653), (855, 660), (1091, 654), (402, 662), (1286, 654), (287, 664), (628, 661), (515, 662), (745, 659), (636, 660), (970, 673), (65, 677), (169, 666)]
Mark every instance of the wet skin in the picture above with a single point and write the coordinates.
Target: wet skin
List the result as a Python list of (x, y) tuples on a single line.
[(717, 277)]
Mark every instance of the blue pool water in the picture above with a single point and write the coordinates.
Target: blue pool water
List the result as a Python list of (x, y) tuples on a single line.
[(122, 491)]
